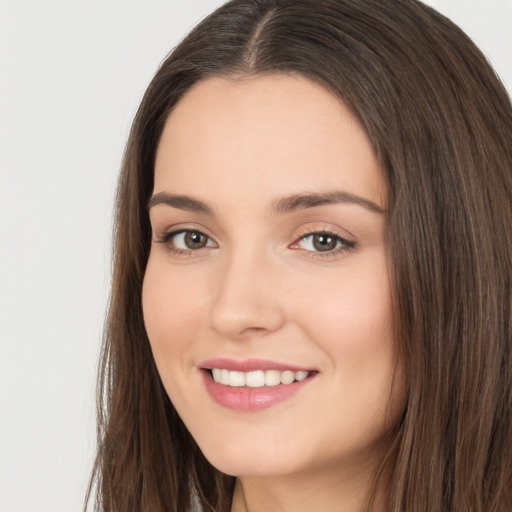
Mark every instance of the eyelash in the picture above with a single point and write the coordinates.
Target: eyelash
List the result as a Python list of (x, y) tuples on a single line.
[(345, 245), (167, 238)]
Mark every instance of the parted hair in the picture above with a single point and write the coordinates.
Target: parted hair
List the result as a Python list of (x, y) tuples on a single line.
[(440, 123)]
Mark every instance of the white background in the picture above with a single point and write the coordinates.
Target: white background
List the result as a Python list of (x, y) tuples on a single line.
[(71, 76)]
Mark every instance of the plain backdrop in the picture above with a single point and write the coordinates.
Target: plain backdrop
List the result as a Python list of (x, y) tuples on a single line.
[(71, 76)]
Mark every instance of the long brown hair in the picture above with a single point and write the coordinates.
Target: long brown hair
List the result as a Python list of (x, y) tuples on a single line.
[(440, 122)]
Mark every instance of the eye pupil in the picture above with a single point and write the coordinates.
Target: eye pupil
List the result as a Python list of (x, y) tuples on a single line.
[(323, 242), (195, 240)]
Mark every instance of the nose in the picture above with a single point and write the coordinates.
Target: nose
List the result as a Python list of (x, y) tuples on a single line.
[(246, 300)]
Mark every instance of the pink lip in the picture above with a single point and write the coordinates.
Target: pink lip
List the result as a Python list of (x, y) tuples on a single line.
[(249, 365), (245, 398)]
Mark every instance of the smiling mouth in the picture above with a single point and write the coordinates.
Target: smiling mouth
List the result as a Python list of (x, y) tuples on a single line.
[(253, 385), (257, 378)]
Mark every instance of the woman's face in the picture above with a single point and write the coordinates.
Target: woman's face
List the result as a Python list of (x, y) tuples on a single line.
[(267, 266)]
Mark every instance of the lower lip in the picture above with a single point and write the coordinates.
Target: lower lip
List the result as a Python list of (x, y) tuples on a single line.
[(251, 399)]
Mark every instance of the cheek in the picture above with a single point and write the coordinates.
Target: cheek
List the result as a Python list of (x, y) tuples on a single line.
[(171, 307), (351, 313), (349, 319)]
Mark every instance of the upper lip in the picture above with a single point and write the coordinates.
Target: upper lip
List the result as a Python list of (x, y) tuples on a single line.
[(249, 365)]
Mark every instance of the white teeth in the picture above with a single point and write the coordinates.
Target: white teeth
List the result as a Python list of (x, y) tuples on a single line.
[(301, 375), (224, 377), (287, 377), (236, 379), (256, 378), (272, 378)]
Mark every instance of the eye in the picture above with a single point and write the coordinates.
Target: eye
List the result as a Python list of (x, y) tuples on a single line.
[(186, 240), (190, 240), (323, 242)]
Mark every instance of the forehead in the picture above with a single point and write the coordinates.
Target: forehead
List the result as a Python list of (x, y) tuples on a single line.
[(272, 135)]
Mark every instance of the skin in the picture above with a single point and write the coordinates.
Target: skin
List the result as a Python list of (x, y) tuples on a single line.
[(260, 288)]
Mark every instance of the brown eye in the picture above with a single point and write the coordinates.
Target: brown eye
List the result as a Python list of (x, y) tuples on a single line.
[(323, 242), (187, 240), (195, 240)]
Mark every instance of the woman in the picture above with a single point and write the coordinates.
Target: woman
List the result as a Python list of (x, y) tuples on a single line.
[(311, 302)]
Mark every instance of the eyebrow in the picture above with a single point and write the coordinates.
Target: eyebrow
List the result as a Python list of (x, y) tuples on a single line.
[(181, 202), (312, 199), (287, 204)]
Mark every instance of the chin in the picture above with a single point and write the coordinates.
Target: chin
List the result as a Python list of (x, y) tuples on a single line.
[(240, 457), (264, 454), (249, 466)]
